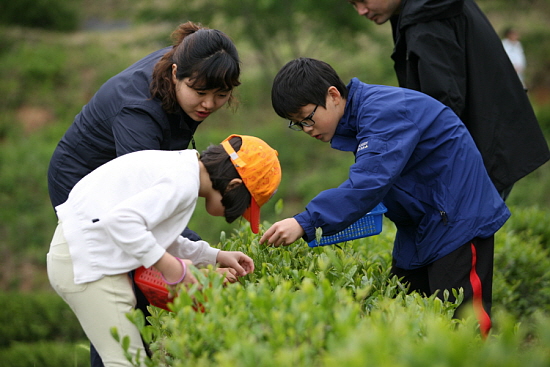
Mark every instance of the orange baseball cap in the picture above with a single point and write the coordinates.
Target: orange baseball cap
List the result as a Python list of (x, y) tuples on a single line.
[(258, 165)]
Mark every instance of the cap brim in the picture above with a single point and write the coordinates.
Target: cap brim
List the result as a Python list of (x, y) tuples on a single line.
[(252, 214)]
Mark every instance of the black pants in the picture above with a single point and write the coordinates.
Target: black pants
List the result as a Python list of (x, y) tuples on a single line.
[(469, 267)]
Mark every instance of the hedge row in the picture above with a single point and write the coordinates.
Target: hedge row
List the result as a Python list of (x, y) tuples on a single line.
[(46, 354), (28, 318), (339, 306), (307, 306)]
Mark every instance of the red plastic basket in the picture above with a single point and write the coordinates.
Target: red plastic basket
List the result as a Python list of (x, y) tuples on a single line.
[(150, 282)]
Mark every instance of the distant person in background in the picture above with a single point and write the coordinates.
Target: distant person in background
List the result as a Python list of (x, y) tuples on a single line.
[(449, 50), (513, 48), (155, 104)]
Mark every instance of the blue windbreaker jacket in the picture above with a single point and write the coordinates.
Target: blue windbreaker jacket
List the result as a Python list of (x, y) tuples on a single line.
[(416, 156), (120, 118)]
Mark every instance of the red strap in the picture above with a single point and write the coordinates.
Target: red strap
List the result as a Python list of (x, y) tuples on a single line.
[(482, 316)]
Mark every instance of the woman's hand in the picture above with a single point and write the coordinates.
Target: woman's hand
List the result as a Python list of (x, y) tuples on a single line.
[(240, 263)]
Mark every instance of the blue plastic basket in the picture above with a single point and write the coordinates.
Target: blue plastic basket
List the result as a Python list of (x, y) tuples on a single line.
[(369, 225)]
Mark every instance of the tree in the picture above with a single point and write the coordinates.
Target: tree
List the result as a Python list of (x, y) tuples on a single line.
[(278, 30)]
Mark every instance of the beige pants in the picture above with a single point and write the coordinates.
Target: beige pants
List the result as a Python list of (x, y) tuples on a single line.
[(98, 305)]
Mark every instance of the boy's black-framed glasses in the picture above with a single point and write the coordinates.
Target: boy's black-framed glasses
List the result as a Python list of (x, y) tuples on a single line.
[(299, 126)]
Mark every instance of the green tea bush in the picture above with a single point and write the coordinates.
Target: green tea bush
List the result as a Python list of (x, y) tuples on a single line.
[(42, 316), (272, 325), (60, 15), (31, 72), (296, 301), (397, 335), (531, 223), (316, 324), (338, 305), (46, 354), (522, 263), (27, 219)]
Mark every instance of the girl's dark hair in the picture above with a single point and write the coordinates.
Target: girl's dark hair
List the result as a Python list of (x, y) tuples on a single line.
[(303, 81), (222, 171), (207, 56)]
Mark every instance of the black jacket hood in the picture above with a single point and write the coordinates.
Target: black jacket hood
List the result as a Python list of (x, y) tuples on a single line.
[(418, 11)]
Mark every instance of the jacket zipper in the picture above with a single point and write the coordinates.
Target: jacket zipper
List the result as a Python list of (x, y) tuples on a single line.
[(444, 217)]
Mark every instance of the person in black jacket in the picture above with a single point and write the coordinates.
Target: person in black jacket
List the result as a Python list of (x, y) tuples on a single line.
[(449, 50), (156, 103)]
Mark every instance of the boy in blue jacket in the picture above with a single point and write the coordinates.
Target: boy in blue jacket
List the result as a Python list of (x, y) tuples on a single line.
[(413, 154)]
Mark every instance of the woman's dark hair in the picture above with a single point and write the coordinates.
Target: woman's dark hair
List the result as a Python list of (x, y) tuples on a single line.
[(207, 56), (303, 81), (222, 171)]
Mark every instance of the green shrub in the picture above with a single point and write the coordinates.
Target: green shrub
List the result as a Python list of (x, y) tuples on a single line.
[(46, 354), (399, 336), (531, 223), (313, 323), (36, 317), (27, 219), (532, 190), (521, 279), (543, 116), (317, 307), (31, 72), (60, 15), (258, 324), (297, 302)]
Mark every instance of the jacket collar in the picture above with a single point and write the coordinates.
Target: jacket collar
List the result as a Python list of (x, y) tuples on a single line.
[(345, 135)]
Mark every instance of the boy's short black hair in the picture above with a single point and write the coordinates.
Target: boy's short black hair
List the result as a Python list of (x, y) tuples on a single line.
[(303, 81), (222, 171)]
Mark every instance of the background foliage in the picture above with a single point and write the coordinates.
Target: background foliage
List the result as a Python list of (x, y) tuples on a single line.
[(54, 54)]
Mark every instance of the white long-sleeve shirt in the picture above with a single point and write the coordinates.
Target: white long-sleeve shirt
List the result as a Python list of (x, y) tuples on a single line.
[(130, 211)]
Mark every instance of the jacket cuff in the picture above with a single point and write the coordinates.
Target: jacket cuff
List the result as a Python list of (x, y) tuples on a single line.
[(303, 220)]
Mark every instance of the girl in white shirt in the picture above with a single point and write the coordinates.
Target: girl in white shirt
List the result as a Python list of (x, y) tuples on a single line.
[(131, 211)]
